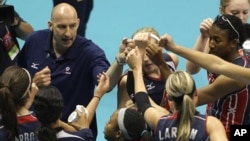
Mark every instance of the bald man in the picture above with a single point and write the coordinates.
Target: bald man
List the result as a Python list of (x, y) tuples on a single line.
[(83, 9), (58, 56)]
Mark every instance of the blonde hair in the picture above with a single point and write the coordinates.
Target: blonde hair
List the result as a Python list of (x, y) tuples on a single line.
[(225, 3), (147, 30), (180, 88)]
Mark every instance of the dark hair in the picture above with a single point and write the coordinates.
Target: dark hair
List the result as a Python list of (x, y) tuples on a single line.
[(135, 125), (8, 113), (234, 26), (48, 106), (247, 27), (15, 83), (18, 81)]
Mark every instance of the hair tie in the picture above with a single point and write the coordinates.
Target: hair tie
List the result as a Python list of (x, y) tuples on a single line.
[(144, 131)]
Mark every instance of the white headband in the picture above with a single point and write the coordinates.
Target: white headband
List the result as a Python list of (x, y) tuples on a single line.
[(26, 92), (155, 37), (120, 120)]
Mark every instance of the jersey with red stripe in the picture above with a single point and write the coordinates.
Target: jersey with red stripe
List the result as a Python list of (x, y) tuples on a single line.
[(233, 108), (27, 128), (167, 128), (155, 86), (28, 125), (211, 77)]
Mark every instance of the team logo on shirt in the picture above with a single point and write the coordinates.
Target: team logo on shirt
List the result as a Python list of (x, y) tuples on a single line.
[(34, 65), (67, 70), (150, 86)]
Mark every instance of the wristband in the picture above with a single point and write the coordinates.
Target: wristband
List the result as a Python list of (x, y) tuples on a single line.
[(118, 61), (98, 97)]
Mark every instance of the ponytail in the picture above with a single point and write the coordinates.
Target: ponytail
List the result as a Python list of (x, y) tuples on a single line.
[(181, 90), (46, 133), (185, 117), (8, 113)]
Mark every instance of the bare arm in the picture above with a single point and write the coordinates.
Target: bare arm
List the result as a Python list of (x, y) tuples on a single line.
[(201, 44), (155, 53), (219, 88), (122, 95), (215, 129), (115, 70), (100, 90), (218, 66), (136, 67), (22, 28), (158, 107), (66, 126), (86, 117)]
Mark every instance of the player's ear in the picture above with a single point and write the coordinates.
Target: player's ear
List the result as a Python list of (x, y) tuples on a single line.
[(50, 25)]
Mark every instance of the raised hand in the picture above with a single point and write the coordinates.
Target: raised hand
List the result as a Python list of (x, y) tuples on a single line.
[(103, 85), (125, 47), (155, 53), (83, 120), (134, 59), (34, 88), (167, 42), (205, 26), (142, 40), (43, 77)]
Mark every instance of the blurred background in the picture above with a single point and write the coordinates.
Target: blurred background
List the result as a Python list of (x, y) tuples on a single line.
[(111, 20)]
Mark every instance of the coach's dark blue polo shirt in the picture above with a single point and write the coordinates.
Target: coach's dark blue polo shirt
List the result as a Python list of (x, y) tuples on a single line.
[(74, 73)]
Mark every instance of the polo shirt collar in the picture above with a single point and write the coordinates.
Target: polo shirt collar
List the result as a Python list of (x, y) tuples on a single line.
[(70, 54)]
